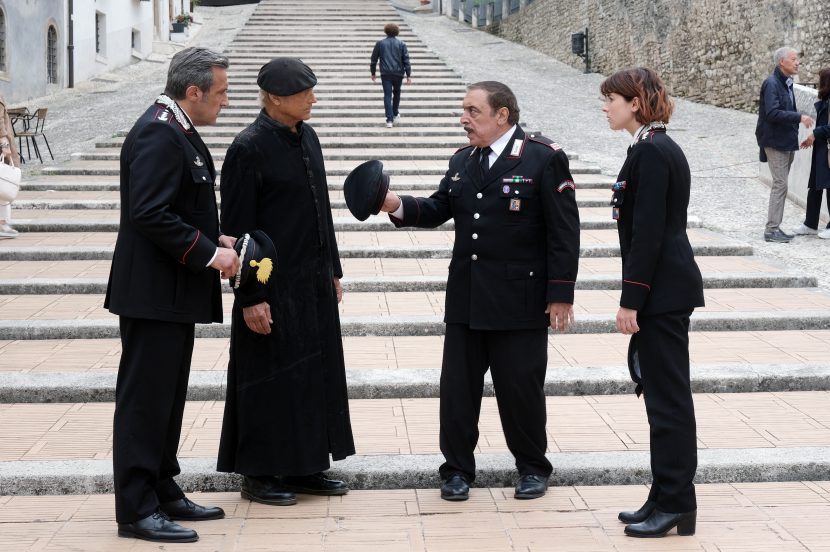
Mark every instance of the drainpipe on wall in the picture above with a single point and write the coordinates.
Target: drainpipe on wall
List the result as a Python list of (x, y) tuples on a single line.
[(70, 47)]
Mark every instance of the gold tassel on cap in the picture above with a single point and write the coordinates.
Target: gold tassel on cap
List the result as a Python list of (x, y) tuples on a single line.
[(264, 268)]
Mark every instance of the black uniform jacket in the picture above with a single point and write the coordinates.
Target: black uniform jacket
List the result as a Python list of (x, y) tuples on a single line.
[(286, 406), (516, 234), (659, 270), (169, 225)]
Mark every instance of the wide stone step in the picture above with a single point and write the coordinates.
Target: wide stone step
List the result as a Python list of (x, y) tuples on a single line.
[(333, 168), (43, 246), (591, 270), (80, 316), (85, 220), (65, 448), (84, 370), (757, 516), (110, 199), (393, 150), (52, 183)]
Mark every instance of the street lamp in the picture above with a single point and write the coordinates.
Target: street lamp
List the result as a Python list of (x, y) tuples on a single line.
[(579, 46)]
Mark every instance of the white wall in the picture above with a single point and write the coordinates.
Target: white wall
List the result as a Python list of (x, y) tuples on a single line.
[(121, 18)]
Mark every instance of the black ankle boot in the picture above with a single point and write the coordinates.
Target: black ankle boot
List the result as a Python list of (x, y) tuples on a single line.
[(659, 523), (638, 515)]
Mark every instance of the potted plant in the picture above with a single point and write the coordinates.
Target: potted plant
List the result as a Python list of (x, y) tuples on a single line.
[(181, 21)]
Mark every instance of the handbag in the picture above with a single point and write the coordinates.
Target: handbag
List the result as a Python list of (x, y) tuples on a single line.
[(9, 182)]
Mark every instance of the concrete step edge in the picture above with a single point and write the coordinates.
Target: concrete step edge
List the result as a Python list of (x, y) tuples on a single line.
[(73, 387), (724, 280), (340, 225), (62, 477), (423, 325), (91, 253)]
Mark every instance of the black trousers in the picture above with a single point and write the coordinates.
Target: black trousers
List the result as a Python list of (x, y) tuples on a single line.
[(149, 402), (391, 95), (814, 207), (660, 351), (517, 361)]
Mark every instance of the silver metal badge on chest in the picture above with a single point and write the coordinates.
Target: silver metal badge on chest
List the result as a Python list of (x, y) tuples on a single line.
[(455, 178), (198, 162)]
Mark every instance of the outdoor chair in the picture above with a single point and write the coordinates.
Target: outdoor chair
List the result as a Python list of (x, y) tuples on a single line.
[(18, 115), (32, 128)]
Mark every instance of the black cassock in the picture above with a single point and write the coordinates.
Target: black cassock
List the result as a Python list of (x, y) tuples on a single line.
[(286, 404)]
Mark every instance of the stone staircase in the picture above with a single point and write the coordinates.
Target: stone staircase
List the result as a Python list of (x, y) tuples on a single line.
[(760, 349)]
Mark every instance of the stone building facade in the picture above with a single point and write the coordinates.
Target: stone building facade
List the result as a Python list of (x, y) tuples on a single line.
[(713, 51)]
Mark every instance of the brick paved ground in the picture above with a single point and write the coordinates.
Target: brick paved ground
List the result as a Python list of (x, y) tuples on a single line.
[(63, 436)]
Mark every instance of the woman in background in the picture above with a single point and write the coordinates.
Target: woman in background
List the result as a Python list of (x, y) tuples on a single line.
[(8, 154), (661, 286), (819, 168)]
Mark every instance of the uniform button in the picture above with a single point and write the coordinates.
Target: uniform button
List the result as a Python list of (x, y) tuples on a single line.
[(476, 216), (531, 273), (474, 257), (204, 178), (479, 195), (475, 236), (516, 192), (450, 190)]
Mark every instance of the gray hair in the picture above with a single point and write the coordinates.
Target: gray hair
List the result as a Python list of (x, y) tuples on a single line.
[(781, 53), (192, 66)]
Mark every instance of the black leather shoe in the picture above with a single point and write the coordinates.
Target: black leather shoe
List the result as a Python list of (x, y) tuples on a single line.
[(267, 490), (185, 509), (531, 486), (455, 487), (314, 484), (639, 515), (659, 523), (157, 527)]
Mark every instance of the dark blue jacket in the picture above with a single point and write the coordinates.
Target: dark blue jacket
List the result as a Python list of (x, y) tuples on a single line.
[(394, 57), (819, 170), (778, 117)]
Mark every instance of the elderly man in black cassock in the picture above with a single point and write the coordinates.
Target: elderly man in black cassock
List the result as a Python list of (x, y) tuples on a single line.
[(287, 408)]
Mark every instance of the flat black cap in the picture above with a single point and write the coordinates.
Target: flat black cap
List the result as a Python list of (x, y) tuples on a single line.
[(284, 76), (257, 257), (365, 189)]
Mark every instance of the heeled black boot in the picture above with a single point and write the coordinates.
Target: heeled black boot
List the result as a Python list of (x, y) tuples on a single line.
[(659, 523), (638, 515)]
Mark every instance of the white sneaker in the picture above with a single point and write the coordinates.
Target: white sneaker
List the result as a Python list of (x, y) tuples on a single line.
[(7, 231), (804, 230), (824, 234), (397, 117), (388, 124)]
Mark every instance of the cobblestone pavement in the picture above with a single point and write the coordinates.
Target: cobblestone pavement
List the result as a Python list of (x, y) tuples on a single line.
[(565, 104)]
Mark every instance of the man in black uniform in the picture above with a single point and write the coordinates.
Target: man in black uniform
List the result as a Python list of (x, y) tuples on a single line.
[(512, 274), (164, 279)]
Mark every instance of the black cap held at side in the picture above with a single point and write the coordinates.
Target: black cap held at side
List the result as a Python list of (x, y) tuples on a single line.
[(257, 259), (365, 189), (285, 76)]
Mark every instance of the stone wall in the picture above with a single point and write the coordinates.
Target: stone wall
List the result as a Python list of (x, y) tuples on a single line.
[(713, 51)]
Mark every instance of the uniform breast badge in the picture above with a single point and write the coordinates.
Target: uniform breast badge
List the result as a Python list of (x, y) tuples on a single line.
[(619, 195), (455, 178), (198, 162), (515, 204)]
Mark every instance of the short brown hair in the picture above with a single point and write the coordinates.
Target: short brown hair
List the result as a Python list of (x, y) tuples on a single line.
[(499, 95), (646, 85), (824, 84), (391, 29)]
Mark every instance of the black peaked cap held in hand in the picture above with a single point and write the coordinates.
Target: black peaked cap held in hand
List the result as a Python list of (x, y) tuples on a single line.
[(365, 189)]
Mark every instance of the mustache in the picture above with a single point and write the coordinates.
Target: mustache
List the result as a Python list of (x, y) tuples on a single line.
[(468, 129)]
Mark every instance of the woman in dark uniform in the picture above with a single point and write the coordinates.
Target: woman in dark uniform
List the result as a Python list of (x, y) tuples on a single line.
[(661, 286)]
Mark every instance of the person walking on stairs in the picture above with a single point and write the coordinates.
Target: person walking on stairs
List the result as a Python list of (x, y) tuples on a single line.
[(165, 279), (661, 286), (394, 65), (512, 275)]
